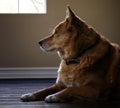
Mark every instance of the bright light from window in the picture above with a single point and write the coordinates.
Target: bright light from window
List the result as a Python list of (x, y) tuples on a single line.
[(23, 6)]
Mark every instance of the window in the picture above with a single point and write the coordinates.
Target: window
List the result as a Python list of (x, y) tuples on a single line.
[(23, 6)]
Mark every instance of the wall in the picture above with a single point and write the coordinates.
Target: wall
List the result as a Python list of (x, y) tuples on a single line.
[(20, 33)]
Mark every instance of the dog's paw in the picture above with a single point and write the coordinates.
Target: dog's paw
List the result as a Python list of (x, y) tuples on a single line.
[(28, 97), (52, 98)]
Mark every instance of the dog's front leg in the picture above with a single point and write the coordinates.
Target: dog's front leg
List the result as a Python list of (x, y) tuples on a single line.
[(71, 93), (41, 94)]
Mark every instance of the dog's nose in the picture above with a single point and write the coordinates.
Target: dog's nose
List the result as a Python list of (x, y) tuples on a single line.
[(40, 43)]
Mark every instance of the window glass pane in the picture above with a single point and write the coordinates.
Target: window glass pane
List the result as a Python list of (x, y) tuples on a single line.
[(32, 6), (22, 6), (6, 6)]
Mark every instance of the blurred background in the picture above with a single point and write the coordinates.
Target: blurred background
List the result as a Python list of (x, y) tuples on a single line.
[(20, 33)]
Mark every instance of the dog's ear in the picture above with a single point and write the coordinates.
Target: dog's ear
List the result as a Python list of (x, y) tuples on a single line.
[(72, 18), (70, 14)]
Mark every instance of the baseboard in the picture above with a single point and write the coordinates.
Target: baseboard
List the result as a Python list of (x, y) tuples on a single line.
[(28, 72)]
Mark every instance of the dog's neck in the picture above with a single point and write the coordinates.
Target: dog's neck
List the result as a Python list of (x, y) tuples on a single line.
[(75, 59)]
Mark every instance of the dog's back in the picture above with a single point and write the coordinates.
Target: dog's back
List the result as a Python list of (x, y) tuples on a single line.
[(113, 76)]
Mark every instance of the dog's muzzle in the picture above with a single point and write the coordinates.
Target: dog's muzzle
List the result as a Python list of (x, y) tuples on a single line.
[(46, 47)]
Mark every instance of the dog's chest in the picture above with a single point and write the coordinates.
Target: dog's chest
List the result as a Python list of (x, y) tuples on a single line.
[(69, 80), (69, 76)]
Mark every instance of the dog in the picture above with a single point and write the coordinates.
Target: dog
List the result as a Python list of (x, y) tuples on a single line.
[(89, 68)]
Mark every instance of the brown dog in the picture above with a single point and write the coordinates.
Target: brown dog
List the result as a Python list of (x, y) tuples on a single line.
[(90, 64)]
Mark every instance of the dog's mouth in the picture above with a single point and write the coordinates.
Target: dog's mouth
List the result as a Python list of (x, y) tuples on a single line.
[(46, 47)]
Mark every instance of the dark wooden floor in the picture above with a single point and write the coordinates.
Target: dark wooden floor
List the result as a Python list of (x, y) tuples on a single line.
[(11, 90)]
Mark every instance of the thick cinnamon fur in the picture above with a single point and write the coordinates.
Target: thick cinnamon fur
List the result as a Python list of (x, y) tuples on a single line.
[(90, 64)]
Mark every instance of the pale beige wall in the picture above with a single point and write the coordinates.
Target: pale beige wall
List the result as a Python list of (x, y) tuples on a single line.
[(19, 34)]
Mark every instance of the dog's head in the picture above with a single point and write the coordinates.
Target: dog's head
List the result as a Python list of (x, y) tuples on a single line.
[(69, 37)]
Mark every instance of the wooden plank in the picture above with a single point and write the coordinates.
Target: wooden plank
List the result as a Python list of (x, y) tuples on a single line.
[(10, 92)]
